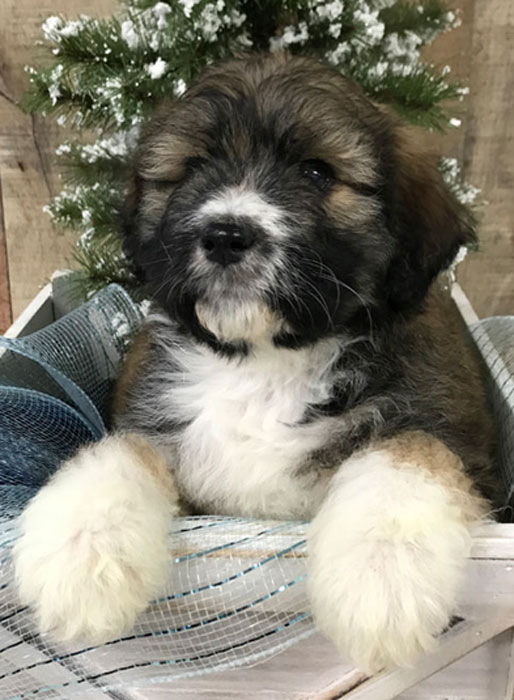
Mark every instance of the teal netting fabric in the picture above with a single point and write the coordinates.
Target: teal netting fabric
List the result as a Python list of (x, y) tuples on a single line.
[(236, 589), (494, 337), (235, 595), (54, 390)]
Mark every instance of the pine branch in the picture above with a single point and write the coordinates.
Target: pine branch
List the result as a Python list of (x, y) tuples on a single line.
[(427, 19), (106, 170), (93, 210), (103, 264), (416, 96)]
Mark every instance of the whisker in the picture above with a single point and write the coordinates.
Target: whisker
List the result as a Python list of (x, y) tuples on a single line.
[(339, 283), (316, 296)]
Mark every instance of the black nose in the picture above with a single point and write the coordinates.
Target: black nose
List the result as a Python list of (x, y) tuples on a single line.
[(226, 243)]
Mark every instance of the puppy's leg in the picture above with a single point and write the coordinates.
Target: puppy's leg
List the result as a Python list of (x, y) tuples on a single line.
[(93, 546), (387, 549)]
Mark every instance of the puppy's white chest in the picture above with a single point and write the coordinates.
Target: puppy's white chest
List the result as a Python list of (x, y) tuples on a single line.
[(244, 443)]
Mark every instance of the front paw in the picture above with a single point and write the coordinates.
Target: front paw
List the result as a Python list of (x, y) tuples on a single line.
[(93, 546), (383, 580), (378, 605)]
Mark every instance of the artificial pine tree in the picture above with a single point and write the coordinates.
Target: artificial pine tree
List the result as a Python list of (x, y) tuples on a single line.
[(104, 77)]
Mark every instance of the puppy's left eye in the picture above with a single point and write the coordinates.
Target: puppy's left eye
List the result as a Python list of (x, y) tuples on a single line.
[(319, 173)]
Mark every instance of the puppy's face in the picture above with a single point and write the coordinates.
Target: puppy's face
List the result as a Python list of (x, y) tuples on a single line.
[(275, 200)]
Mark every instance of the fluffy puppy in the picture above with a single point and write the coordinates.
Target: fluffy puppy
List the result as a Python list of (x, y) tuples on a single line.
[(303, 364)]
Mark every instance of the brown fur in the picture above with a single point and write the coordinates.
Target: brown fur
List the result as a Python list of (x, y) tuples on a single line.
[(422, 451), (350, 207), (132, 369), (166, 160), (446, 366), (152, 461)]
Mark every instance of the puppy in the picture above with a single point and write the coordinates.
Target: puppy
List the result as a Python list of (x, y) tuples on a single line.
[(303, 363)]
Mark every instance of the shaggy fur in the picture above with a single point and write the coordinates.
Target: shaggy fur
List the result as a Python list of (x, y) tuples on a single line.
[(387, 550), (301, 363), (93, 546)]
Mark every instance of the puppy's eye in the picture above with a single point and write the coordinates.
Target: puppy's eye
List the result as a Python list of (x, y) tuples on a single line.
[(319, 173)]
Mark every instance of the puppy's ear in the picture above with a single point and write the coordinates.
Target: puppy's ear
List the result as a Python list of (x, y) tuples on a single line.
[(428, 222), (128, 217)]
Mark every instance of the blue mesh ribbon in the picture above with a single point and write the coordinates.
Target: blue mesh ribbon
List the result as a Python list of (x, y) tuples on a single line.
[(55, 390)]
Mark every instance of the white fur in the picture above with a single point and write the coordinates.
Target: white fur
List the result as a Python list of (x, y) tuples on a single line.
[(243, 446), (386, 554), (250, 321), (93, 545), (243, 201)]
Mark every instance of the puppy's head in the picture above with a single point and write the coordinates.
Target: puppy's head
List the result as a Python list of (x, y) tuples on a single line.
[(275, 200)]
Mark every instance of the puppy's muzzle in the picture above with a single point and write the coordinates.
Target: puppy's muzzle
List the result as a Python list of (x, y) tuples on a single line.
[(225, 243)]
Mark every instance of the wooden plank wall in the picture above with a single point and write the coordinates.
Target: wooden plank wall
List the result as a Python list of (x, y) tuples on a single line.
[(30, 247), (480, 52)]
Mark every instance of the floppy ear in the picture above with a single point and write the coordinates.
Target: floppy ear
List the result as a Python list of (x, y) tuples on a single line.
[(134, 218), (129, 214), (428, 222)]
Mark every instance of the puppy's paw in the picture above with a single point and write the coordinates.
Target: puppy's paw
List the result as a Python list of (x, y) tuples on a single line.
[(386, 552), (93, 546)]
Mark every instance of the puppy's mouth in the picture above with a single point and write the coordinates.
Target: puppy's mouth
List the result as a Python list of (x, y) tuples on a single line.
[(233, 319), (232, 298)]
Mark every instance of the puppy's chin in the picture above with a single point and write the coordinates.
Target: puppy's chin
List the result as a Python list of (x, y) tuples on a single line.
[(236, 320)]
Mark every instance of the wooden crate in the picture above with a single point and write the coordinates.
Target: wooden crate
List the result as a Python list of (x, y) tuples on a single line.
[(475, 658)]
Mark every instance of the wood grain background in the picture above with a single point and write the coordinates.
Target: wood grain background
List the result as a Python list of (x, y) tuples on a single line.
[(480, 52)]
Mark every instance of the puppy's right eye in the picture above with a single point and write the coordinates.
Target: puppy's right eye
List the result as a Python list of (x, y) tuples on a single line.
[(319, 173)]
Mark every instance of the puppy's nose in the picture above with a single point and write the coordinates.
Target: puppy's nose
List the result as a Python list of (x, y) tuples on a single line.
[(226, 243)]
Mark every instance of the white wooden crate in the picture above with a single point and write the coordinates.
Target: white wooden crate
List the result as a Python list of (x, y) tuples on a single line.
[(474, 661)]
